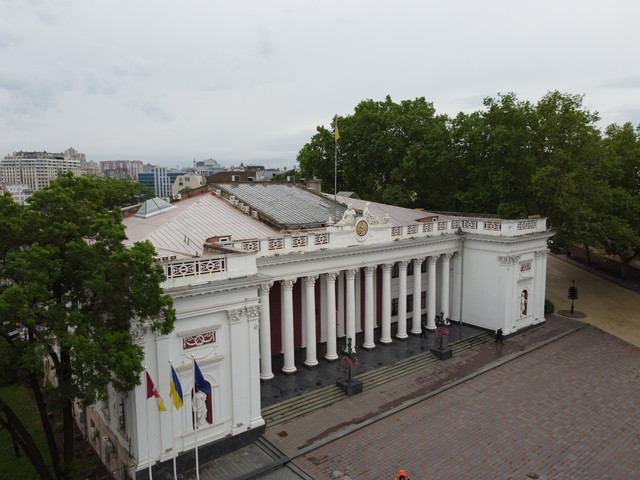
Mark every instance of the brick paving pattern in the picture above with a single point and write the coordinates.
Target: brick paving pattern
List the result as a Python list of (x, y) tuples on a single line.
[(563, 411)]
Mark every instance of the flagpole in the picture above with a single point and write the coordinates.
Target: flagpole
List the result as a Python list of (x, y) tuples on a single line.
[(335, 169), (173, 446), (146, 410), (195, 416)]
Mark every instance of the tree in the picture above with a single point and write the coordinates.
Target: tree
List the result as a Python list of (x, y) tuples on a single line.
[(72, 290), (620, 225), (386, 151)]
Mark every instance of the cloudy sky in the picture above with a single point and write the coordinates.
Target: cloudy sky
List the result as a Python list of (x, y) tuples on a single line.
[(167, 81)]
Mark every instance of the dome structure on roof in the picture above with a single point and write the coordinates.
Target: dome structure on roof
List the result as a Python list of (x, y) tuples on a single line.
[(153, 206)]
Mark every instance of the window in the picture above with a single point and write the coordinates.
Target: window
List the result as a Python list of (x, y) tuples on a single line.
[(423, 300), (410, 303), (423, 267), (410, 268), (395, 271), (394, 307)]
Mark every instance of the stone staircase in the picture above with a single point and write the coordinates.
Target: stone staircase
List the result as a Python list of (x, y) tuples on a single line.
[(294, 407)]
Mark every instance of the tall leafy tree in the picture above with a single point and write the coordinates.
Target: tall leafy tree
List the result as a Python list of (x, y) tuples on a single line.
[(69, 293), (620, 224), (569, 183)]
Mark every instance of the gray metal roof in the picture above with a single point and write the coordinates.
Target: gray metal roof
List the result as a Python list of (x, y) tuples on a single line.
[(285, 205), (182, 231)]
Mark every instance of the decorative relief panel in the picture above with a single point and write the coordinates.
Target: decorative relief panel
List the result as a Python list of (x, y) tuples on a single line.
[(253, 313), (396, 231), (526, 224), (412, 229), (541, 253), (470, 224), (275, 243), (509, 260), (299, 241), (455, 223), (235, 315), (138, 333), (493, 226), (525, 267), (251, 246), (442, 225), (195, 267), (427, 227), (199, 339), (322, 239)]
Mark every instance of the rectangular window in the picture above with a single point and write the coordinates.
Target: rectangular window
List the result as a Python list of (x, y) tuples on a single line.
[(395, 271), (423, 267), (410, 268), (423, 300), (394, 307), (410, 303)]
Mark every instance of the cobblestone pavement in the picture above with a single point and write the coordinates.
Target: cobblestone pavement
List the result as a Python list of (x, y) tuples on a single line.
[(563, 411)]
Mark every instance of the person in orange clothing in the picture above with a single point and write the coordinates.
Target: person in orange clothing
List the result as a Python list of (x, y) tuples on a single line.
[(402, 475)]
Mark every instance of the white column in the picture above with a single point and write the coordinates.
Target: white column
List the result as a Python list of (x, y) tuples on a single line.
[(310, 319), (368, 307), (287, 325), (431, 293), (416, 327), (456, 303), (341, 308), (265, 333), (350, 276), (444, 298), (386, 303), (402, 299), (330, 279)]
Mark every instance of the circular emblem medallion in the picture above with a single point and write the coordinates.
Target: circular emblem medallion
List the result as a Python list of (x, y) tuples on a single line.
[(362, 227)]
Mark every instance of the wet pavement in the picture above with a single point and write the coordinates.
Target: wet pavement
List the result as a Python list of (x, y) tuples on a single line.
[(306, 379)]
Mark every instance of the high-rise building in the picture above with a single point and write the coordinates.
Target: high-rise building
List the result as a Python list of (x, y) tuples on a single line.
[(127, 169), (35, 170), (159, 180)]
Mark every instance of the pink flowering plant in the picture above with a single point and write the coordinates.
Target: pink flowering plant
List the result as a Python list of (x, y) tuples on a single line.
[(442, 332), (350, 360)]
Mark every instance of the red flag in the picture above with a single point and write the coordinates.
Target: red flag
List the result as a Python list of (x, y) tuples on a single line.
[(152, 391)]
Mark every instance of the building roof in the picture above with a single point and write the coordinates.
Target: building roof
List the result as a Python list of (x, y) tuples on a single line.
[(285, 205), (183, 230)]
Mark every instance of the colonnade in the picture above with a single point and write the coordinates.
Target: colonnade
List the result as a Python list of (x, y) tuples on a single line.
[(331, 305)]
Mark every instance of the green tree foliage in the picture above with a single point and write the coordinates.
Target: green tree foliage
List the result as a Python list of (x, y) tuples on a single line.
[(620, 226), (384, 152), (513, 158), (69, 293)]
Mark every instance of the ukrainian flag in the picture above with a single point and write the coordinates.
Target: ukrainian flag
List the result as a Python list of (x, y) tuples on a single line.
[(176, 390)]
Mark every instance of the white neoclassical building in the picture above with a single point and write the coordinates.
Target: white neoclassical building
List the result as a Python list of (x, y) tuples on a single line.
[(260, 270)]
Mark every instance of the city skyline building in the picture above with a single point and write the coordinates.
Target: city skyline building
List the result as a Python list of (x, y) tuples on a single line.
[(35, 170)]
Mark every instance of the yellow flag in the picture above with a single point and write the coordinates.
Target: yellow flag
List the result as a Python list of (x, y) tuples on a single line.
[(337, 133)]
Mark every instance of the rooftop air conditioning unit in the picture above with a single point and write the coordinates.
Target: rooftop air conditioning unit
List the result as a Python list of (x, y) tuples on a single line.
[(177, 196)]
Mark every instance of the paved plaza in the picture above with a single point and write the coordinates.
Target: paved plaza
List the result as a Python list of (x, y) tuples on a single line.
[(563, 411)]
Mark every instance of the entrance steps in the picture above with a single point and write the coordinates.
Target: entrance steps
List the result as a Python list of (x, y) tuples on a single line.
[(294, 407)]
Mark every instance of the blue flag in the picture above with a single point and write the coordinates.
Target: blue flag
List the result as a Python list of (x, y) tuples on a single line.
[(200, 382)]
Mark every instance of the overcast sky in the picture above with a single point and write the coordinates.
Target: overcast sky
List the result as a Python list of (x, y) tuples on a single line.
[(167, 81)]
